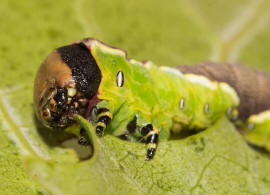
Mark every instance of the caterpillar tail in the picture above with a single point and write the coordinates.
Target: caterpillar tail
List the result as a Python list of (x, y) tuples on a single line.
[(257, 130)]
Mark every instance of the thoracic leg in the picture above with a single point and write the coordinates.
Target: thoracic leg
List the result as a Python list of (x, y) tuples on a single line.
[(83, 138), (151, 135), (137, 128), (104, 116)]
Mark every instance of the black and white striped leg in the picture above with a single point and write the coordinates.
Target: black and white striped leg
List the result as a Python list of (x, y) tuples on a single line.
[(150, 134), (104, 116)]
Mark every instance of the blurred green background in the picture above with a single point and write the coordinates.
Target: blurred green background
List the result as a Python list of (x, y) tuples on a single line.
[(167, 32)]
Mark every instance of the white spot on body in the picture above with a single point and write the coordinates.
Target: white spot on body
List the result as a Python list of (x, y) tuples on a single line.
[(120, 79), (206, 108), (182, 103)]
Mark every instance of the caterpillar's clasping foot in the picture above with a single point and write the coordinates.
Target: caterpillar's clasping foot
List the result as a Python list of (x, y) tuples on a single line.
[(151, 135), (83, 141), (104, 116)]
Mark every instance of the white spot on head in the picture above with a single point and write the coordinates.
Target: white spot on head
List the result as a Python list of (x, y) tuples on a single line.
[(120, 79), (182, 103)]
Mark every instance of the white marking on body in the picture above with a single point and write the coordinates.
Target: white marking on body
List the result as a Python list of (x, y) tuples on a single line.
[(260, 118), (120, 79), (172, 71), (228, 89), (206, 108), (202, 80), (133, 61), (229, 111), (148, 64), (182, 103), (108, 48)]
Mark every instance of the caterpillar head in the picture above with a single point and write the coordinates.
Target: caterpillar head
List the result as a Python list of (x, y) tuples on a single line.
[(67, 83)]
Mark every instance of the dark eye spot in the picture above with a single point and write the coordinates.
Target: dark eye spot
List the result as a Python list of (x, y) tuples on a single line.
[(120, 79)]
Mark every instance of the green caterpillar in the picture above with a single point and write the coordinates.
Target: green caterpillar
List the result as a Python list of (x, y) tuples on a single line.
[(124, 97)]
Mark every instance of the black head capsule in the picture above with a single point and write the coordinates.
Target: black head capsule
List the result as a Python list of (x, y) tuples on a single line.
[(65, 83)]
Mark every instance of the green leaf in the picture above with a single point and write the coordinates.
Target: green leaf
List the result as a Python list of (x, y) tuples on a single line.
[(215, 161)]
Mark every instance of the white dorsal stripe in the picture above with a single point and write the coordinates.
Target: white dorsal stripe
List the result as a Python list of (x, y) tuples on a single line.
[(228, 89), (201, 80), (259, 118), (172, 71)]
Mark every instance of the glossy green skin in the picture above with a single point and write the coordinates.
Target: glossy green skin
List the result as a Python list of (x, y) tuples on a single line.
[(257, 130), (153, 95)]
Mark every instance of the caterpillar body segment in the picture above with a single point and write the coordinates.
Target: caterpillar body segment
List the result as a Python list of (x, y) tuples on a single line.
[(257, 130), (158, 96), (142, 101), (253, 89)]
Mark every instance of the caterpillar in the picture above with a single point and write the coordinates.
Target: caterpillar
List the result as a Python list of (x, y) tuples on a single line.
[(139, 100)]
